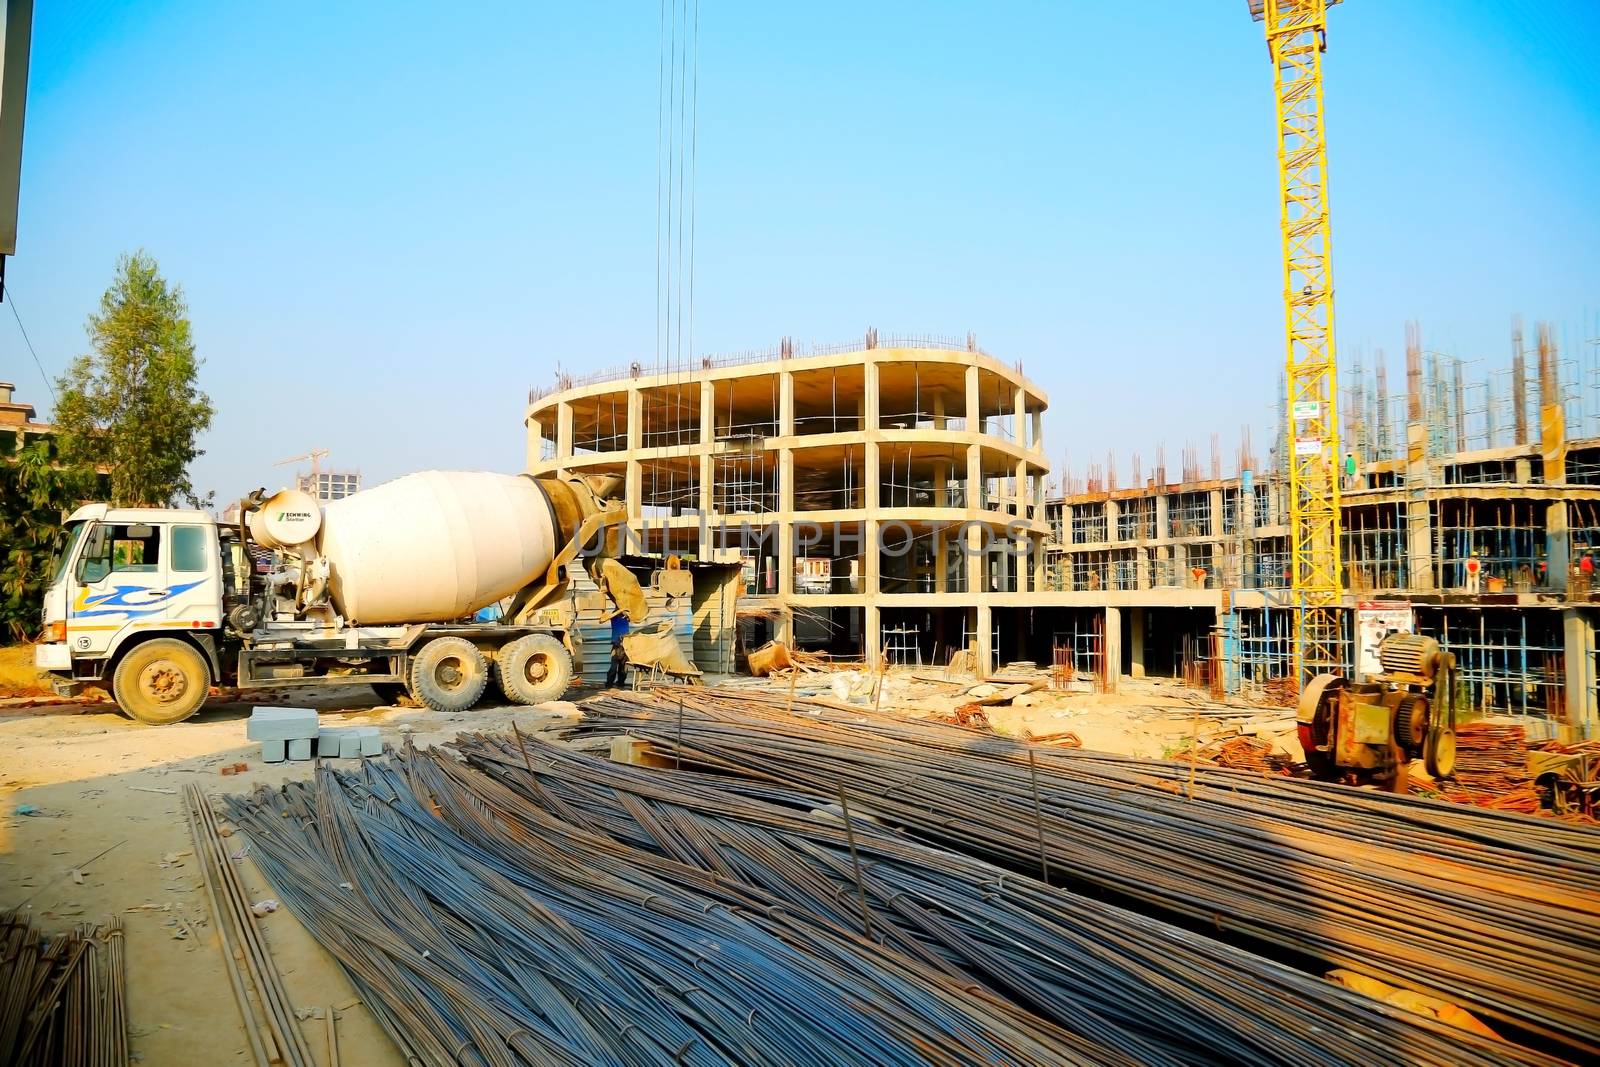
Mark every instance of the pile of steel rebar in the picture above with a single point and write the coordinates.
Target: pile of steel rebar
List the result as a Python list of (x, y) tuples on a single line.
[(1497, 912), (63, 998), (1107, 974), (482, 929)]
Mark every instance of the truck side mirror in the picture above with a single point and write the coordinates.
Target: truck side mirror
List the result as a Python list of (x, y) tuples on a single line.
[(94, 561)]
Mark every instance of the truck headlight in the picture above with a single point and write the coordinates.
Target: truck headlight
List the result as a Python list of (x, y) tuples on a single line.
[(56, 632)]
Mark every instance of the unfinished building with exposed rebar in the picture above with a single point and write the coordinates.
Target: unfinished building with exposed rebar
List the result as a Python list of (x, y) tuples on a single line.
[(885, 495), (1470, 507)]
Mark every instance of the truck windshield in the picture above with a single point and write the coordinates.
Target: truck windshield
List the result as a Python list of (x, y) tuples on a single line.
[(58, 566)]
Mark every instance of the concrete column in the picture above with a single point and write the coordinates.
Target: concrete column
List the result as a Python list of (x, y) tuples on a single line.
[(871, 470), (974, 420), (1019, 421), (985, 638), (1039, 576), (634, 481), (938, 411), (1113, 509), (977, 563), (1136, 626), (1214, 499), (1557, 544), (1578, 638), (635, 418), (634, 478), (872, 396), (974, 477), (708, 412), (1038, 431), (786, 403), (564, 430), (1113, 648), (535, 442), (786, 530), (1163, 532), (1419, 526)]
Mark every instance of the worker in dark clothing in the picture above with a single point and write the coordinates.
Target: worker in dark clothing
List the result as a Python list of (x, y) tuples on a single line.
[(617, 673)]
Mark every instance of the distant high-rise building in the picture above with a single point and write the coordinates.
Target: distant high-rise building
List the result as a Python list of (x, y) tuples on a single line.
[(327, 486)]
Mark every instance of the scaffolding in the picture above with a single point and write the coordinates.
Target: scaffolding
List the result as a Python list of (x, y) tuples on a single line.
[(1189, 515), (902, 646), (1136, 519), (1506, 661), (1375, 547), (1080, 652), (1507, 537), (744, 485), (1088, 524)]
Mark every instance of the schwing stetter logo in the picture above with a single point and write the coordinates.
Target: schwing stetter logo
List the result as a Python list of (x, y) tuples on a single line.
[(125, 600)]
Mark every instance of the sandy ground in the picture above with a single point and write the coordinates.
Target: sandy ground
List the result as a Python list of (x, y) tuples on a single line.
[(98, 781)]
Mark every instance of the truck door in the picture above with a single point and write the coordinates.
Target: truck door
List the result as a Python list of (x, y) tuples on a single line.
[(138, 577)]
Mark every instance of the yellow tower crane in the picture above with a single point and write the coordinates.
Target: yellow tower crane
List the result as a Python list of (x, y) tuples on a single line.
[(1296, 38)]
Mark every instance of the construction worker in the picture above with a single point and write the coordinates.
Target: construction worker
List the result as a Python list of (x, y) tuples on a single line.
[(617, 672), (1349, 470), (1474, 573), (1586, 571)]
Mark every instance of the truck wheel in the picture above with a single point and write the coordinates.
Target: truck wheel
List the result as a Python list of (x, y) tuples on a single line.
[(533, 669), (161, 682), (449, 674)]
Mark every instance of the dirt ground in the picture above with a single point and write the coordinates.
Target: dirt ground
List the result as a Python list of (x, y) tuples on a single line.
[(95, 781)]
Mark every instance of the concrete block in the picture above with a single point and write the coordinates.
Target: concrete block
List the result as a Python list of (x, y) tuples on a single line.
[(300, 748), (371, 740), (349, 745), (281, 724), (273, 751), (328, 742)]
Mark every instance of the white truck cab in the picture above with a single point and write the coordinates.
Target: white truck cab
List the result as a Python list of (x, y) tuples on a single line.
[(138, 592)]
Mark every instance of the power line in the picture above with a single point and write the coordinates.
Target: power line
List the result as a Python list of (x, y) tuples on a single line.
[(48, 384)]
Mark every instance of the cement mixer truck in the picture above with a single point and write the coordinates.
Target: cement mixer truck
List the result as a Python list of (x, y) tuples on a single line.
[(379, 589)]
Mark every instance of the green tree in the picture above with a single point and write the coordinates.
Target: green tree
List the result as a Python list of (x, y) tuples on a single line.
[(132, 404), (35, 491)]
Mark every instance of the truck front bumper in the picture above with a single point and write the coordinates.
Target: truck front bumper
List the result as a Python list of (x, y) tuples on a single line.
[(53, 657)]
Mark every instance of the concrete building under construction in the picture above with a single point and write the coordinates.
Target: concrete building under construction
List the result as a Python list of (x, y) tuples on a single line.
[(1471, 509), (890, 495), (883, 494)]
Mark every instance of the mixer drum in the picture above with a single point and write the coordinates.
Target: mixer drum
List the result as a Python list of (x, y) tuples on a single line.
[(436, 545)]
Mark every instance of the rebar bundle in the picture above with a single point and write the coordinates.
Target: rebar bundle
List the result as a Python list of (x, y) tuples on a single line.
[(484, 930), (1497, 912), (63, 998), (1107, 974)]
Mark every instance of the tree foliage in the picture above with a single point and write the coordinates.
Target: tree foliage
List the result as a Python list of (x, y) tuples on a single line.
[(132, 404), (34, 494)]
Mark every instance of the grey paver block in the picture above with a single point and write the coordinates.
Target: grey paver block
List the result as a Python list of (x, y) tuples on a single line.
[(300, 748), (273, 751), (281, 724)]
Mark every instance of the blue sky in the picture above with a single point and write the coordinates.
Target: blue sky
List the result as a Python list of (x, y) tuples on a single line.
[(391, 221)]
